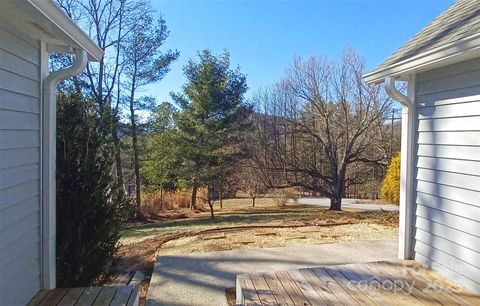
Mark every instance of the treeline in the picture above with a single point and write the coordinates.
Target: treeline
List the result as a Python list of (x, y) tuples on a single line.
[(320, 129), (98, 118), (197, 141)]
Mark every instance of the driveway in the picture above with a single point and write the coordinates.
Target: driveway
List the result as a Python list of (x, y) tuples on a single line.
[(201, 279), (348, 203)]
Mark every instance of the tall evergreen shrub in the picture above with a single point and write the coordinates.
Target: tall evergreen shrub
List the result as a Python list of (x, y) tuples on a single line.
[(89, 213)]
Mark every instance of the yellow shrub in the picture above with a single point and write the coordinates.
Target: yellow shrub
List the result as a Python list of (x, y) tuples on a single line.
[(391, 183)]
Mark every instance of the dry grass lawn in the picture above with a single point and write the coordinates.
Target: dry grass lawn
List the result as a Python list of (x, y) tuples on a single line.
[(277, 237), (239, 225)]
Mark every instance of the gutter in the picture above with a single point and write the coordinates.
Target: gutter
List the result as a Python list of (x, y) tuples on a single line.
[(48, 234), (462, 49), (53, 13)]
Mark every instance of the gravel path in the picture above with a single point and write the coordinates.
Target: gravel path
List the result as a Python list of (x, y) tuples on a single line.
[(349, 204)]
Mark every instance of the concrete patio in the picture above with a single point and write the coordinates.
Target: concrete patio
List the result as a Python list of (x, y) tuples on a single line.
[(201, 279)]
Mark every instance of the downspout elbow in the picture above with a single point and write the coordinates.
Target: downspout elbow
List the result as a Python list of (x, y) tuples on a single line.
[(51, 81), (393, 92)]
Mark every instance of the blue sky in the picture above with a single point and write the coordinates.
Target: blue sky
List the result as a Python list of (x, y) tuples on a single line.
[(263, 36)]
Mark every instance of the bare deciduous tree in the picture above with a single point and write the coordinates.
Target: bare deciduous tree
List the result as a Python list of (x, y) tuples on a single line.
[(107, 22), (249, 180), (146, 63), (317, 123)]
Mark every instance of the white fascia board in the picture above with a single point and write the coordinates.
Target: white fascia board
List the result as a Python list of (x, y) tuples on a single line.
[(78, 38), (457, 51)]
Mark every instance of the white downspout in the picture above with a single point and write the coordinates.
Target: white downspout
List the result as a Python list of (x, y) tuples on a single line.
[(405, 250), (48, 160)]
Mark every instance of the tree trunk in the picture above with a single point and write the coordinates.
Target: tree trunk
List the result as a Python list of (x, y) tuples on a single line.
[(193, 201), (161, 200), (210, 204), (336, 203), (136, 165), (220, 195), (118, 161), (253, 201), (336, 197)]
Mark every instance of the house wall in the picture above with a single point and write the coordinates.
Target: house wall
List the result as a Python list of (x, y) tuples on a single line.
[(19, 168), (447, 197)]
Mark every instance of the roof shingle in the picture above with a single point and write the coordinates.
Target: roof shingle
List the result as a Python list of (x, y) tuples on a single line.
[(459, 21)]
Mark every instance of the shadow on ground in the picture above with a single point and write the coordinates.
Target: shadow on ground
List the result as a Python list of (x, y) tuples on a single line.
[(201, 279)]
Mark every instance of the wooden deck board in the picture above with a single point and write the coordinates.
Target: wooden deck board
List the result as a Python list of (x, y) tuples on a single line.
[(322, 289), (88, 296), (248, 290), (71, 297), (422, 283), (378, 283), (277, 289), (349, 272), (105, 296), (263, 290), (396, 297), (342, 294), (346, 284), (292, 288), (121, 296), (135, 296), (127, 295), (53, 297), (310, 293)]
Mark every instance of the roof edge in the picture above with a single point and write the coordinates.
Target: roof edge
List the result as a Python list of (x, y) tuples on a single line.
[(467, 46), (53, 13)]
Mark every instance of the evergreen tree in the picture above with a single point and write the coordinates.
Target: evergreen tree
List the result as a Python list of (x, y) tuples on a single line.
[(89, 211), (159, 168), (146, 64), (212, 121)]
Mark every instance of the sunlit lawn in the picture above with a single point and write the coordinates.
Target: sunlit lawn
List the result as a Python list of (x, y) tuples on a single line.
[(239, 212)]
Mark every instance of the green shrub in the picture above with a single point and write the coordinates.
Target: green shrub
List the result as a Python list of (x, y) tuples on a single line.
[(89, 212), (391, 183)]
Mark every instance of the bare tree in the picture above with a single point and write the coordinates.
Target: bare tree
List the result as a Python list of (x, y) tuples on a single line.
[(250, 180), (319, 122), (145, 64), (107, 22)]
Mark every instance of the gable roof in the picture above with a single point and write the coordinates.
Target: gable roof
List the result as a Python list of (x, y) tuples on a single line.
[(460, 23), (44, 20)]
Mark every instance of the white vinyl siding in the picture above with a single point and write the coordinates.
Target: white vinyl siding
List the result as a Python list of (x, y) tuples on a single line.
[(19, 168), (447, 210)]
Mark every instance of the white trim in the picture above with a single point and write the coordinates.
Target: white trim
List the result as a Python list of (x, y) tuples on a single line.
[(457, 51), (48, 186), (45, 273), (407, 174), (55, 15)]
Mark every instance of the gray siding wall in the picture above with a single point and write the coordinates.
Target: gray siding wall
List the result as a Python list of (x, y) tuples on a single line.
[(447, 211), (19, 168)]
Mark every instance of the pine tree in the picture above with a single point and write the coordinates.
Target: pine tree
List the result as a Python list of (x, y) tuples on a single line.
[(212, 121)]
